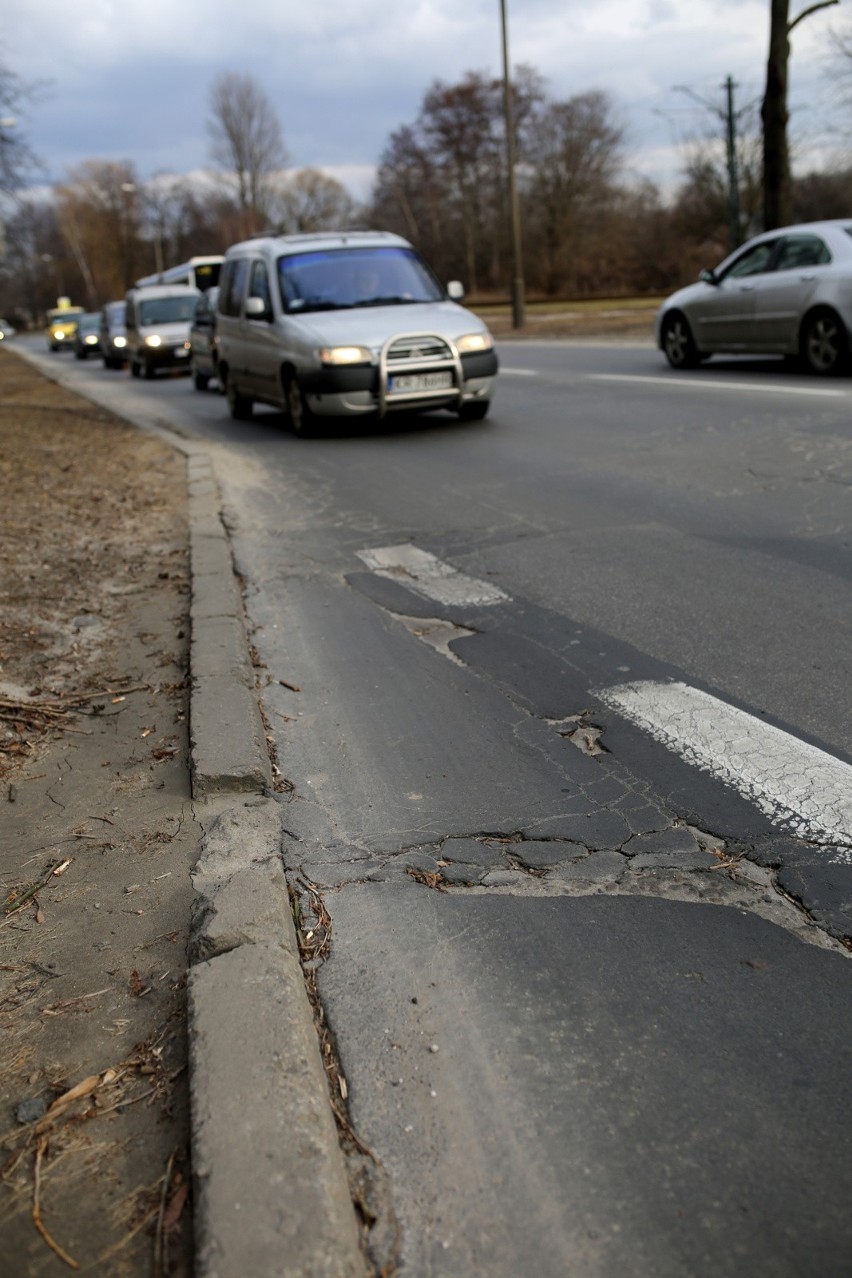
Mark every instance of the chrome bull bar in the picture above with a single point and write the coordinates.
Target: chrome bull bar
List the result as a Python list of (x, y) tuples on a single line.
[(420, 363)]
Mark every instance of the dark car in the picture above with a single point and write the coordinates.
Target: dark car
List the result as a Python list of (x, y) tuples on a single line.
[(87, 335), (203, 356), (114, 335)]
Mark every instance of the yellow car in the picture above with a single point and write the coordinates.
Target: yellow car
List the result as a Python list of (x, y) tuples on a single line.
[(62, 325)]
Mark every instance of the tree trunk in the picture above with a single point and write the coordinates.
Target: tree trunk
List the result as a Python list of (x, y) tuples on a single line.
[(773, 112)]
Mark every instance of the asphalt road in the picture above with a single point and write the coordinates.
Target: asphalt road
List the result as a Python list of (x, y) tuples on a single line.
[(586, 664)]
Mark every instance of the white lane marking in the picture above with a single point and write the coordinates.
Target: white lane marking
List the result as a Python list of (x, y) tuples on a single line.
[(429, 576), (520, 372), (800, 788), (680, 382)]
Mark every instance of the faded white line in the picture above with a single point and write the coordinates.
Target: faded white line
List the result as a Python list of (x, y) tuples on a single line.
[(800, 788), (679, 383), (519, 372), (429, 576)]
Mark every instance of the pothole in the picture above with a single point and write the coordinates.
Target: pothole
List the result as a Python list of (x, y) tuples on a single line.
[(437, 633)]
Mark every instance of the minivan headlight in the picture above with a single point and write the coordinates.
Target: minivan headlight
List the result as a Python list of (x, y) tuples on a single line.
[(153, 340), (120, 341), (475, 342), (345, 355)]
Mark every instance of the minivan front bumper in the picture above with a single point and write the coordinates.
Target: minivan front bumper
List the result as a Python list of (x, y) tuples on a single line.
[(364, 388)]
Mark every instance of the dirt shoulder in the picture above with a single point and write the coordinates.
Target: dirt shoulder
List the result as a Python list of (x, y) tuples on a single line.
[(631, 323), (98, 838)]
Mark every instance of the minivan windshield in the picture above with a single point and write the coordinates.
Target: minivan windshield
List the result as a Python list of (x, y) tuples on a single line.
[(341, 279), (166, 310)]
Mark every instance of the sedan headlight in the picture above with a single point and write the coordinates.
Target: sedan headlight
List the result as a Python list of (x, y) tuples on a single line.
[(153, 340), (475, 342), (60, 336), (120, 342), (345, 355), (91, 340)]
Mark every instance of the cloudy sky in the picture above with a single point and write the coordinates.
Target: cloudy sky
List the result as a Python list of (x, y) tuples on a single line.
[(132, 81)]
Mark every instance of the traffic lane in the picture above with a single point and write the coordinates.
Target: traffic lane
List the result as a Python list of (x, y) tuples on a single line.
[(733, 590), (713, 539), (594, 1085), (642, 358)]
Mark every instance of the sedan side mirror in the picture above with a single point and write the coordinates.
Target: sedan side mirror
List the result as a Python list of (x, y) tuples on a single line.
[(455, 290), (708, 277)]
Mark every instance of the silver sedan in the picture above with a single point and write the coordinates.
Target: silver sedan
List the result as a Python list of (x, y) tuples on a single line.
[(786, 292)]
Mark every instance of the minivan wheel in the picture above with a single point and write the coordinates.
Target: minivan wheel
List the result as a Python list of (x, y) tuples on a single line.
[(475, 411), (200, 381), (240, 406), (302, 420), (135, 370)]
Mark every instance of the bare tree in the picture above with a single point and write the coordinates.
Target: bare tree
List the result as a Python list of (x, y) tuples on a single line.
[(574, 159), (310, 200), (16, 158), (99, 217), (246, 140), (774, 113)]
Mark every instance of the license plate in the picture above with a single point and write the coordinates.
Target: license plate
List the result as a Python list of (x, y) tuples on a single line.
[(407, 382)]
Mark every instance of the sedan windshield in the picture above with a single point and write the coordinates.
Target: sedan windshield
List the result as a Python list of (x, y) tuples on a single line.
[(341, 279)]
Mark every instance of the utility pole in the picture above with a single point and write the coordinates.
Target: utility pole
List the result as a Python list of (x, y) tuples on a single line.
[(514, 213), (733, 177), (728, 117)]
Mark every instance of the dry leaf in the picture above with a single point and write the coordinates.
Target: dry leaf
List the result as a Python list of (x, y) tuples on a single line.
[(175, 1207)]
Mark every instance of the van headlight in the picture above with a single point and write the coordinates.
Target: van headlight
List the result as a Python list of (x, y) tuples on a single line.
[(153, 340), (345, 355), (474, 342)]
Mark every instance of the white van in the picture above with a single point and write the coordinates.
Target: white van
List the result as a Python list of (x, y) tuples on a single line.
[(158, 320), (344, 324)]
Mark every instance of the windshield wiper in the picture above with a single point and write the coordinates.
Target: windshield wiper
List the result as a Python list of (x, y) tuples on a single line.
[(392, 300), (301, 308)]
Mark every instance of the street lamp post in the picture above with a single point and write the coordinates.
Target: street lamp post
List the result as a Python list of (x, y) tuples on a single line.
[(514, 212), (128, 190)]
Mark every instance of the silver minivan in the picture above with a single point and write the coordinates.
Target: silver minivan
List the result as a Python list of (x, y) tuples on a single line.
[(157, 319), (345, 324)]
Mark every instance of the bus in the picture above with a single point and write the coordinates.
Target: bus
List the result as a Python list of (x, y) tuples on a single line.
[(198, 272)]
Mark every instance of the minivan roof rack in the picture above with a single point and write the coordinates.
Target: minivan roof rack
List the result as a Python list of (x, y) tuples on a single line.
[(315, 235)]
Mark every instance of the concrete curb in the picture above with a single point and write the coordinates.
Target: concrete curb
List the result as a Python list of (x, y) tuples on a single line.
[(271, 1191)]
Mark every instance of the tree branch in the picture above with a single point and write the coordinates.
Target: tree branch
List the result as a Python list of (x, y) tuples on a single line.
[(823, 4)]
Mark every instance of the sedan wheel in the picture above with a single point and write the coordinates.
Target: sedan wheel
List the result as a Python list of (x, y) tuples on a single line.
[(825, 346), (678, 345)]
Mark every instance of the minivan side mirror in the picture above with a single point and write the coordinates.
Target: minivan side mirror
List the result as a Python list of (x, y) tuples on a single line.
[(256, 308), (455, 290)]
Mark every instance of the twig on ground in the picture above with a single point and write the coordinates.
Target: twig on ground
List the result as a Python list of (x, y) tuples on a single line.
[(36, 1212)]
